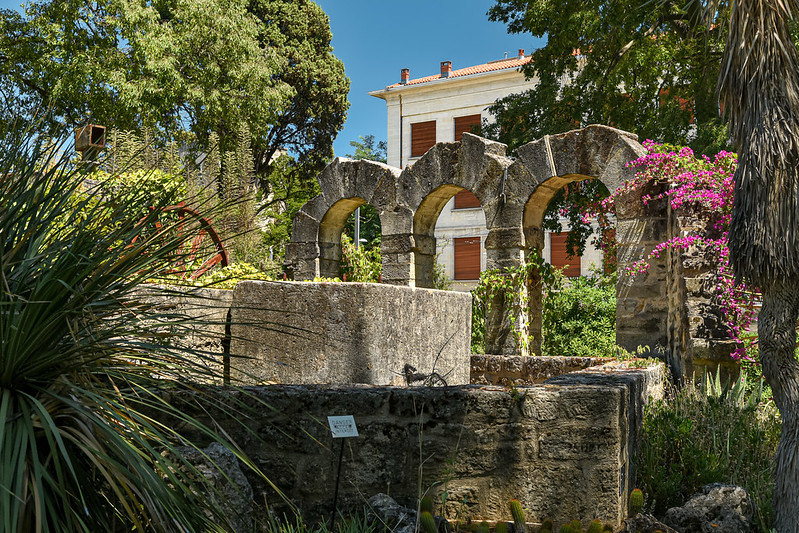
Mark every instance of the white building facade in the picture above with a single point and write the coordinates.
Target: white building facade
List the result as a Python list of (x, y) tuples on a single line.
[(440, 108)]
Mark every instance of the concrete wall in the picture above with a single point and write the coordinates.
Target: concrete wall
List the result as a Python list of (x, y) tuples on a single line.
[(563, 449)]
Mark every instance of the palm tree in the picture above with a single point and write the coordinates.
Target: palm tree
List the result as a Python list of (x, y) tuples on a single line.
[(759, 84)]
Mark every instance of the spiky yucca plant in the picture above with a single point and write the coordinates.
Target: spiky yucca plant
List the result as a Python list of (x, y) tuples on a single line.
[(81, 374)]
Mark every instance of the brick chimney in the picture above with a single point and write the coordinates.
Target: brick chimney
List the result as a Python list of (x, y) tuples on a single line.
[(521, 53), (405, 75), (446, 69)]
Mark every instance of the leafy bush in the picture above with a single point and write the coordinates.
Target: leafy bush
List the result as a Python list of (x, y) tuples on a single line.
[(709, 434), (81, 374), (360, 264), (579, 318)]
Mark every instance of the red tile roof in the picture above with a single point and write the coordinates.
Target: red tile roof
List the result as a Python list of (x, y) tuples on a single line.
[(502, 64)]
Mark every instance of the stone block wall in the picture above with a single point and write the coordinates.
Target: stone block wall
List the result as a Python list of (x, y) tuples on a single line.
[(562, 448), (300, 332), (297, 332), (516, 370)]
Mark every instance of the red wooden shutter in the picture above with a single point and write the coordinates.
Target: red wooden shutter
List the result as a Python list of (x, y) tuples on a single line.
[(423, 137), (467, 258), (559, 258), (466, 124), (465, 199)]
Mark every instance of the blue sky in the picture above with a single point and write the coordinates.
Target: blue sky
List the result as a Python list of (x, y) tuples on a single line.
[(375, 39)]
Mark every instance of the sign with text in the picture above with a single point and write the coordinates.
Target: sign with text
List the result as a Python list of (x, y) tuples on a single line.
[(342, 426)]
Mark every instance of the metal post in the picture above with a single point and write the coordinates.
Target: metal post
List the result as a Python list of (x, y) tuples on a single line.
[(357, 227)]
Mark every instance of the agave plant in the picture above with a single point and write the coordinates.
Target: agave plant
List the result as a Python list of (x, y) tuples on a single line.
[(81, 374)]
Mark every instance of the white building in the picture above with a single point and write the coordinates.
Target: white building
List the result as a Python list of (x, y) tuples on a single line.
[(424, 111)]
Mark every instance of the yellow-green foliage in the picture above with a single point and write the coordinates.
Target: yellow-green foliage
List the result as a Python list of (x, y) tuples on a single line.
[(594, 527), (428, 522), (519, 518), (636, 502), (426, 504), (501, 527)]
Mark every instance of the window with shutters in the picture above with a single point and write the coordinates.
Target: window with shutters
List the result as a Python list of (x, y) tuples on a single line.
[(466, 200), (423, 137), (559, 257), (470, 124), (467, 258)]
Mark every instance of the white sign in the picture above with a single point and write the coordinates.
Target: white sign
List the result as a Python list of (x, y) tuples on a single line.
[(342, 426)]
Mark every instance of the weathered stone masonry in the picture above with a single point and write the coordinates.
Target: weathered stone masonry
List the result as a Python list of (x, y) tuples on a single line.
[(514, 194)]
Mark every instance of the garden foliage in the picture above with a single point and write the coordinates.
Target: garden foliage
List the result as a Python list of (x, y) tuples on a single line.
[(83, 445), (708, 434)]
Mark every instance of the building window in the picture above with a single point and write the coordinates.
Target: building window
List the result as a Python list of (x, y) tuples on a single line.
[(468, 124), (423, 137), (467, 258), (466, 200), (559, 257)]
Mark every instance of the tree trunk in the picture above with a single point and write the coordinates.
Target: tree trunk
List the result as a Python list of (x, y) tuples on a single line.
[(777, 329)]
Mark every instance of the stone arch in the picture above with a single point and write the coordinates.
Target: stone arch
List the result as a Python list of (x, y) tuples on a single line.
[(315, 248), (474, 164), (513, 194), (594, 152)]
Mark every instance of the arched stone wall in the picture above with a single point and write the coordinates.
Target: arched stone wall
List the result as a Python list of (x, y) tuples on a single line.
[(315, 248), (514, 195), (546, 165)]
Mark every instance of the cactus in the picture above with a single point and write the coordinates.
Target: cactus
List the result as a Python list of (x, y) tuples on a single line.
[(428, 523), (594, 527), (426, 504), (483, 527), (577, 526), (547, 526), (566, 528), (501, 527), (519, 520), (607, 529), (636, 502)]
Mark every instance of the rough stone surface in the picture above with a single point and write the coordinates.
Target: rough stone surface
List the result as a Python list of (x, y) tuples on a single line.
[(221, 467), (520, 370), (204, 344), (563, 450), (645, 523), (391, 515), (717, 508), (294, 332)]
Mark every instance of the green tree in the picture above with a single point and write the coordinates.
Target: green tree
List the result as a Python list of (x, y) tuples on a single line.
[(198, 66), (646, 67), (367, 148)]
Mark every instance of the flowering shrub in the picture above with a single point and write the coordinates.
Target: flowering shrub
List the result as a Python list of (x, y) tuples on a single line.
[(702, 190)]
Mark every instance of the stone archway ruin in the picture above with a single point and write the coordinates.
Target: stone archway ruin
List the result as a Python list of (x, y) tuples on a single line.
[(513, 193)]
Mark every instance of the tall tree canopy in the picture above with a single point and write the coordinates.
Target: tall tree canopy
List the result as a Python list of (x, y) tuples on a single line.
[(646, 67), (175, 66)]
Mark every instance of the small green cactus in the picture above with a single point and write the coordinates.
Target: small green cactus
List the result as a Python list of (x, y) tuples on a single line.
[(483, 527), (577, 526), (594, 527), (426, 504), (519, 519), (547, 526), (501, 527), (566, 528), (427, 522), (636, 502)]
